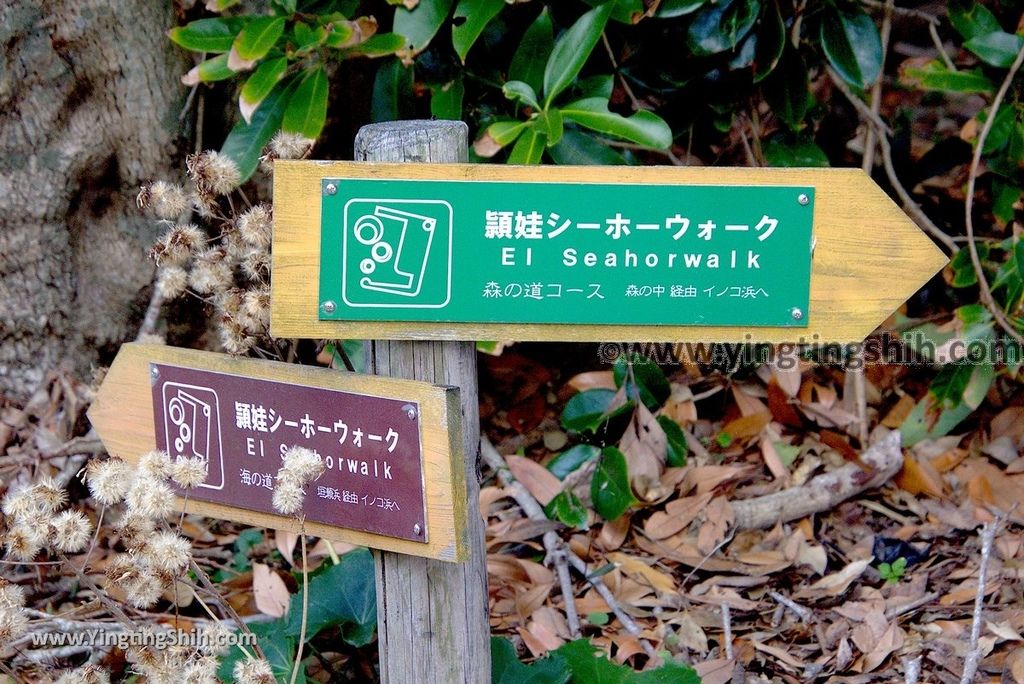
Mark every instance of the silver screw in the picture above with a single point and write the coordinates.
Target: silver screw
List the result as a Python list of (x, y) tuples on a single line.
[(329, 307), (796, 313), (331, 188), (154, 374), (410, 411), (416, 529), (801, 198)]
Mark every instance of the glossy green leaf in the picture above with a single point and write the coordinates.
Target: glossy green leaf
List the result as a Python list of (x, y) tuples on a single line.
[(571, 459), (678, 448), (507, 669), (209, 70), (852, 45), (308, 38), (342, 594), (307, 108), (379, 45), (208, 35), (533, 52), (771, 42), (623, 11), (267, 75), (935, 76), (506, 132), (719, 27), (1018, 254), (220, 5), (529, 148), (246, 141), (678, 8), (446, 100), (793, 151), (1006, 195), (964, 274), (599, 85), (550, 122), (571, 51), (576, 148), (787, 90), (392, 91), (519, 91), (998, 48), (586, 410), (643, 127), (1002, 127), (609, 488), (421, 23), (643, 379), (476, 14), (971, 19), (567, 509), (259, 35), (593, 667), (287, 6)]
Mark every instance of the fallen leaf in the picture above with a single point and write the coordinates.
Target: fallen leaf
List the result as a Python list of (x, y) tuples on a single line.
[(538, 480), (747, 426), (285, 543), (642, 572), (919, 477), (613, 532), (677, 516), (720, 518), (592, 380), (898, 413), (644, 445), (271, 594), (836, 583)]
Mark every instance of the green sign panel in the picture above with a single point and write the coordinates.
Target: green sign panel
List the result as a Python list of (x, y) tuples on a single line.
[(499, 252)]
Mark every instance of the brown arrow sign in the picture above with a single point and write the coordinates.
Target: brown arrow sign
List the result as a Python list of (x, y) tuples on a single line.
[(391, 448)]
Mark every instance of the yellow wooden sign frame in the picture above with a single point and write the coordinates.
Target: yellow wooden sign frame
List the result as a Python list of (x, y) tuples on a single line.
[(869, 257), (122, 414)]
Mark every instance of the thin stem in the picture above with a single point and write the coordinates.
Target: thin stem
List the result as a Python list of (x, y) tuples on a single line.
[(305, 600)]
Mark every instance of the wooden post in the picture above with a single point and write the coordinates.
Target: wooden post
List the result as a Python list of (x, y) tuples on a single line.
[(432, 617)]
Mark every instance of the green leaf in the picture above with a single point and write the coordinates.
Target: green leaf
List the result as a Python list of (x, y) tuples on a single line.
[(935, 76), (599, 85), (571, 51), (258, 36), (392, 91), (533, 52), (308, 38), (922, 424), (787, 90), (505, 132), (971, 19), (964, 274), (529, 148), (651, 385), (246, 141), (593, 667), (721, 26), (208, 35), (446, 100), (623, 11), (307, 108), (598, 619), (782, 150), (379, 45), (209, 70), (586, 410), (567, 509), (506, 668), (609, 488), (571, 459), (1018, 254), (577, 148), (476, 15), (550, 122), (421, 23), (519, 91), (276, 644), (678, 448), (344, 594), (260, 83), (643, 127), (677, 8), (852, 45), (998, 48), (771, 42)]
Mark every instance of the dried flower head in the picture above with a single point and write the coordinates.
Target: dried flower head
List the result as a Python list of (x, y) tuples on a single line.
[(24, 504), (217, 639), (189, 472), (25, 540), (213, 172), (144, 589), (11, 595), (70, 531), (228, 303), (253, 671), (255, 264), (171, 282), (135, 529), (255, 226), (178, 244), (154, 463), (108, 480), (302, 464), (168, 552), (87, 674), (150, 497), (50, 493), (255, 310), (286, 145), (211, 272), (201, 671), (13, 624), (234, 337), (288, 496), (167, 200)]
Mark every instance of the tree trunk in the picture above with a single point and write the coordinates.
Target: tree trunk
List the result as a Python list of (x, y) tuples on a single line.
[(89, 99)]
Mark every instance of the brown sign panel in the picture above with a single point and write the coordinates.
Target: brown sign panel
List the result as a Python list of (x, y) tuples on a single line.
[(370, 446), (395, 475)]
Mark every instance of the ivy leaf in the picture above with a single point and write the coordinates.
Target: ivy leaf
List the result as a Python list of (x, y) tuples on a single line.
[(651, 386), (721, 26), (208, 35), (344, 594), (307, 108), (529, 148), (643, 127), (506, 668), (609, 489), (533, 52), (852, 45), (277, 646), (576, 148), (258, 36), (246, 141), (971, 19), (259, 85), (572, 49), (421, 23), (998, 48), (935, 76), (476, 14)]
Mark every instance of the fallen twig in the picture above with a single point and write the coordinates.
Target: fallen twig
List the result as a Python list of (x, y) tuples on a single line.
[(801, 612), (911, 670), (988, 536), (823, 492), (727, 631)]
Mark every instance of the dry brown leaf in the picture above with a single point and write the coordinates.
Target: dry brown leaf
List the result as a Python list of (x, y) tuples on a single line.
[(788, 379), (780, 654), (1004, 630), (677, 516), (919, 477), (717, 671), (691, 635), (747, 426), (539, 638), (530, 598), (748, 404), (720, 518), (898, 413), (771, 457), (613, 532), (542, 484), (948, 460), (285, 543), (627, 646), (780, 405), (707, 478), (1009, 423), (836, 583), (891, 640), (269, 591), (644, 445), (592, 380), (641, 572), (680, 406)]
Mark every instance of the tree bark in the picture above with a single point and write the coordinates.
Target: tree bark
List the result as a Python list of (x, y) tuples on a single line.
[(89, 98)]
